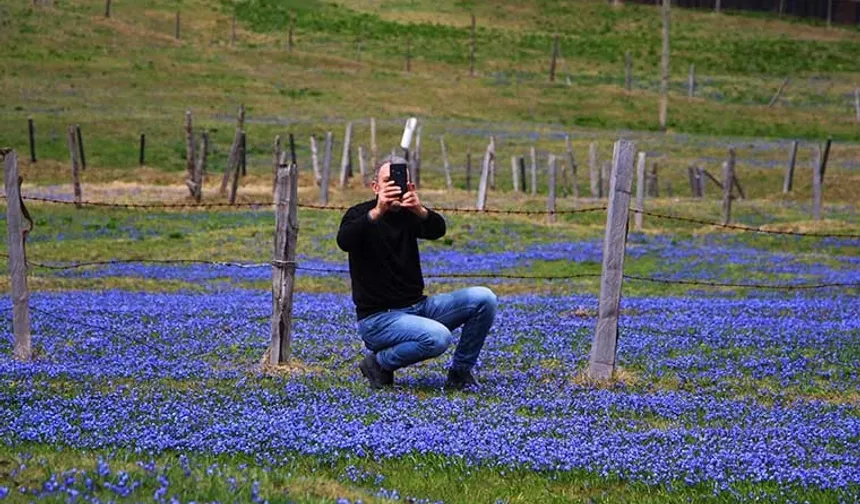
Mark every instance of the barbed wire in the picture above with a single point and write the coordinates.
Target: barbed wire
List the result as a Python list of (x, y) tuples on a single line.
[(739, 227)]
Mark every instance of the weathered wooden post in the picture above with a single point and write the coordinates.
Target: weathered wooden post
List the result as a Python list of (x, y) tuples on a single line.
[(362, 166), (344, 159), (189, 154), (594, 171), (554, 56), (653, 189), (107, 8), (232, 157), (373, 150), (485, 178), (728, 183), (550, 197), (601, 363), (326, 168), (315, 160), (76, 174), (778, 92), (700, 181), (469, 169), (472, 49), (291, 30), (694, 185), (691, 84), (142, 156), (515, 179), (243, 158), (573, 168), (605, 170), (31, 130), (233, 31), (284, 261), (492, 162), (640, 191), (857, 103), (817, 164), (825, 157), (628, 71), (15, 234), (522, 162), (276, 162), (416, 157), (80, 140), (829, 13), (533, 154), (448, 183), (176, 28), (664, 66), (237, 168), (200, 168), (789, 171), (409, 53), (717, 7)]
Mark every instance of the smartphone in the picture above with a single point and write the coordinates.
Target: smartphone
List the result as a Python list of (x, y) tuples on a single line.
[(398, 175)]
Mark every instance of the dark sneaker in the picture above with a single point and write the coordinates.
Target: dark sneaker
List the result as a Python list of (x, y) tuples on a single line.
[(458, 379), (374, 373)]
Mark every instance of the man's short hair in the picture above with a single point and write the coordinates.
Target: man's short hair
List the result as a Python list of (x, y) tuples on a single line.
[(388, 158)]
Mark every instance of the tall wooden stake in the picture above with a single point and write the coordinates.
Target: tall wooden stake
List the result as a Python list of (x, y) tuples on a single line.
[(448, 183), (176, 28), (80, 141), (233, 31), (107, 8), (362, 166), (234, 149), (640, 191), (601, 363), (142, 157), (515, 175), (664, 66), (816, 184), (76, 174), (469, 169), (554, 56), (189, 154), (15, 234), (825, 157), (315, 160), (571, 160), (492, 162), (829, 13), (31, 130), (485, 178), (326, 168), (200, 169), (628, 71), (533, 154), (728, 183), (236, 169), (789, 171), (344, 159), (550, 198), (284, 261), (594, 171), (408, 53), (276, 162), (291, 30), (472, 49)]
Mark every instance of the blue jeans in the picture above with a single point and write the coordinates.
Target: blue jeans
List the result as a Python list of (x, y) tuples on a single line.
[(404, 336)]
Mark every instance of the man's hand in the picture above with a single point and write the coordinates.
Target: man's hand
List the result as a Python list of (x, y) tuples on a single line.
[(387, 197), (412, 203)]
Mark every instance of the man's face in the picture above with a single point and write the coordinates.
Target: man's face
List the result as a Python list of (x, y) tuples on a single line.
[(382, 177)]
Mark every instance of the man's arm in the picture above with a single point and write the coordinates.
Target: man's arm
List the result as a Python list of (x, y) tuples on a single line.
[(352, 226), (431, 227)]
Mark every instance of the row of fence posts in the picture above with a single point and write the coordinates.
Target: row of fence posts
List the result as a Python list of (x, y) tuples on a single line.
[(197, 152)]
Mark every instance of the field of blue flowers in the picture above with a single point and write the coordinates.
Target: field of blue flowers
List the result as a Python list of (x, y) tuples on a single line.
[(140, 394)]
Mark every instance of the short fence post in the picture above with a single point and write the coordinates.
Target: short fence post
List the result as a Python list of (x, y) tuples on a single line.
[(15, 234), (107, 8), (142, 156), (700, 181), (189, 153), (31, 129), (550, 198), (640, 191), (601, 363), (344, 159), (234, 149), (628, 71), (825, 157), (522, 162), (80, 140), (605, 170), (728, 182), (472, 50), (291, 30), (326, 168), (76, 174), (653, 189), (233, 31), (533, 154), (408, 53), (362, 166), (284, 261), (200, 168), (315, 160), (485, 176), (237, 169), (176, 30), (243, 159), (554, 56), (448, 183), (691, 176), (789, 171), (573, 168), (276, 162), (816, 183), (492, 150), (469, 169), (691, 85), (515, 174), (594, 171)]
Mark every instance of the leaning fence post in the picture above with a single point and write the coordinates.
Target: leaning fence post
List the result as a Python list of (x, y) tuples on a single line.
[(326, 168), (80, 140), (728, 175), (550, 197), (234, 149), (601, 363), (817, 165), (492, 164), (284, 261), (640, 191), (17, 260), (189, 153), (76, 174), (31, 130), (485, 176), (448, 183), (344, 159), (515, 177), (594, 171), (533, 154), (572, 161), (825, 157), (789, 171)]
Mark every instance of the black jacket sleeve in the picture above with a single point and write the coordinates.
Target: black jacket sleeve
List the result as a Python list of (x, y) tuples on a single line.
[(354, 223), (431, 228)]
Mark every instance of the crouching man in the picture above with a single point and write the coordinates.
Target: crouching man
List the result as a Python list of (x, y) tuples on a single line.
[(397, 322)]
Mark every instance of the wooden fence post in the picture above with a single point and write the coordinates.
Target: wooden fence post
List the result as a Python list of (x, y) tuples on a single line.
[(315, 160), (237, 168), (200, 168), (694, 186), (485, 178), (717, 7), (409, 53), (664, 66), (700, 181), (594, 171), (233, 31), (533, 154), (243, 158), (628, 71), (234, 149), (492, 148), (550, 197), (80, 140), (515, 179), (326, 168), (472, 50), (176, 30), (291, 30), (825, 157), (736, 181), (691, 84), (416, 157), (653, 189), (829, 13), (573, 167), (344, 159), (601, 363), (189, 153), (142, 156), (640, 191), (284, 261), (107, 8), (362, 166), (448, 183), (276, 162), (469, 169), (15, 234), (857, 103), (31, 130), (789, 171), (817, 164), (728, 182), (554, 56), (522, 162), (76, 174), (373, 150), (605, 170), (778, 92)]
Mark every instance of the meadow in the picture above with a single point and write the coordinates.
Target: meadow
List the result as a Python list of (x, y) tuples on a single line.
[(146, 384)]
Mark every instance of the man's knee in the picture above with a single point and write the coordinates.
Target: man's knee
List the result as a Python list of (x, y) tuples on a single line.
[(436, 339), (483, 297)]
